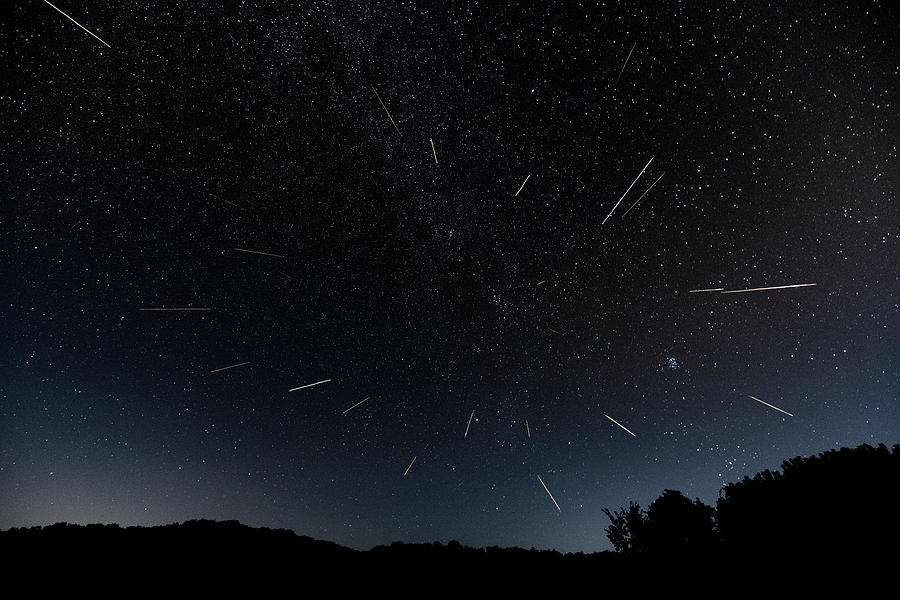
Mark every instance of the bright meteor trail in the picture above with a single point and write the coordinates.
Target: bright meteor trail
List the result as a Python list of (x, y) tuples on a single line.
[(628, 190), (777, 287), (770, 406), (549, 494), (258, 252), (617, 423), (642, 195), (433, 150), (625, 64), (230, 367), (410, 465), (385, 109), (523, 184), (355, 405), (79, 24), (469, 424), (308, 385)]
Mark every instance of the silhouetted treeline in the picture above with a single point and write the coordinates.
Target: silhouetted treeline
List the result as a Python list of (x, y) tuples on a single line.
[(841, 503)]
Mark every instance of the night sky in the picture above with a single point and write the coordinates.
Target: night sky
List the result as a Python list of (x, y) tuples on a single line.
[(131, 174)]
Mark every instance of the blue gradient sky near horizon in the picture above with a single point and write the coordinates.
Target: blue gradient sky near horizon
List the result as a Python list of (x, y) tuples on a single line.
[(132, 173)]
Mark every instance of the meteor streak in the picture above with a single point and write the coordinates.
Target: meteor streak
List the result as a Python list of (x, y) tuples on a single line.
[(549, 494), (410, 465), (176, 309), (385, 108), (224, 200), (622, 70), (469, 424), (617, 423), (523, 184), (770, 406), (628, 190), (706, 290), (644, 194), (79, 24), (433, 150), (258, 252), (527, 429), (776, 287), (308, 385), (230, 367), (355, 405)]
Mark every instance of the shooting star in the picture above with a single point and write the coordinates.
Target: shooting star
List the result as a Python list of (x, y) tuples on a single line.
[(776, 287), (523, 184), (230, 367), (385, 108), (258, 252), (433, 150), (308, 385), (223, 200), (355, 405), (644, 194), (542, 282), (410, 465), (770, 406), (628, 190), (706, 290), (79, 24), (527, 429), (549, 494), (554, 331), (617, 423), (176, 309), (469, 424), (622, 70)]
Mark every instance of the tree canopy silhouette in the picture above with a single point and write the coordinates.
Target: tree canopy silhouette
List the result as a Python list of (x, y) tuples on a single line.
[(838, 500)]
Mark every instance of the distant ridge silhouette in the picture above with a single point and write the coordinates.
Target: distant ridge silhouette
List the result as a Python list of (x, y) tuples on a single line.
[(839, 507)]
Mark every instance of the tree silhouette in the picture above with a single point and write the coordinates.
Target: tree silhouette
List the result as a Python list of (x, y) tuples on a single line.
[(672, 523), (675, 523), (626, 529)]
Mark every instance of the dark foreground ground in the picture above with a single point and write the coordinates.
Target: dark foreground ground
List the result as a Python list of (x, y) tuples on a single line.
[(824, 523)]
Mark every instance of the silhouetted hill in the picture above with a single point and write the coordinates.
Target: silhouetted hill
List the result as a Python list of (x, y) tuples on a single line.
[(835, 508)]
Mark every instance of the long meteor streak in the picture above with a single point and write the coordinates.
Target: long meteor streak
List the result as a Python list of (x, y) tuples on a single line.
[(79, 24), (385, 109), (527, 429), (549, 494), (770, 406), (176, 309), (308, 385), (706, 290), (617, 423), (230, 367), (523, 184), (622, 70), (644, 194), (433, 150), (628, 190), (776, 287), (258, 252), (469, 424), (355, 405), (410, 465)]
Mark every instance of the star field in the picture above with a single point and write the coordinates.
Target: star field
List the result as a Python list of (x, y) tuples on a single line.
[(304, 131)]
